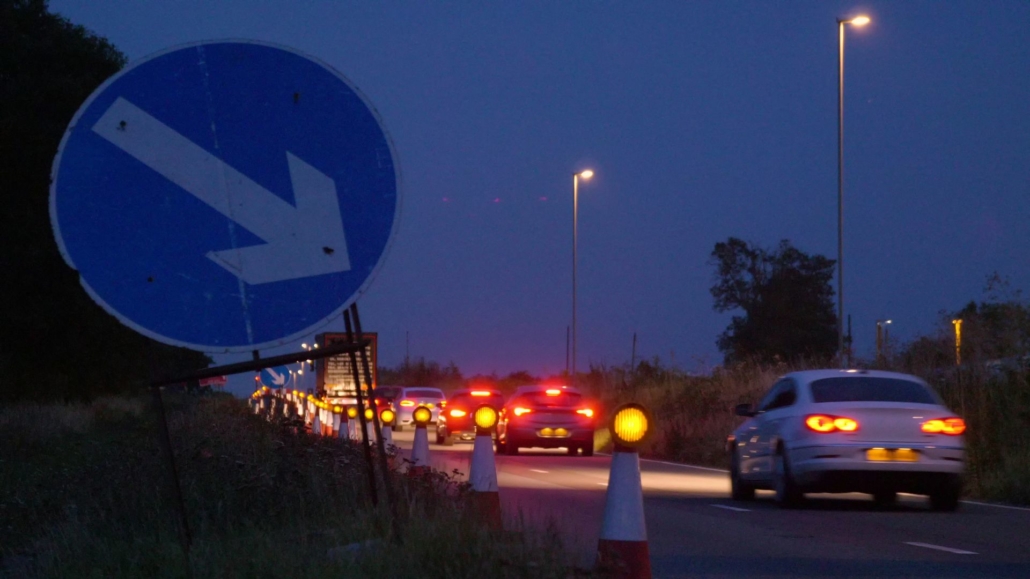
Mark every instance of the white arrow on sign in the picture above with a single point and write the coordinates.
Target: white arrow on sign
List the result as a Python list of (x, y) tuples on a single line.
[(277, 378), (300, 241)]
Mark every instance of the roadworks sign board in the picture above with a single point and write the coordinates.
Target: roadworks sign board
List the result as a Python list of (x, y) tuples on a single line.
[(225, 196), (335, 374)]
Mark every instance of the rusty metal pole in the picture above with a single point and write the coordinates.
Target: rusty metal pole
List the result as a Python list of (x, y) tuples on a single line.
[(381, 444), (361, 412)]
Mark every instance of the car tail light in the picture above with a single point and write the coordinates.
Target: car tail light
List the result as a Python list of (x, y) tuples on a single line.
[(480, 393), (953, 426), (407, 402), (520, 411), (825, 423), (455, 413), (552, 392), (586, 412)]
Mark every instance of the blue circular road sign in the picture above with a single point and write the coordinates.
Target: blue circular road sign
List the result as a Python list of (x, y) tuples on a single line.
[(225, 196), (278, 377)]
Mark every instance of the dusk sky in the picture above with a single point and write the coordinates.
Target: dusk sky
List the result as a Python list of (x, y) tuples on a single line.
[(702, 120)]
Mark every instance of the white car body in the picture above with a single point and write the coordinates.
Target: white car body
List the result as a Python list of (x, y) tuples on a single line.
[(887, 453), (405, 399)]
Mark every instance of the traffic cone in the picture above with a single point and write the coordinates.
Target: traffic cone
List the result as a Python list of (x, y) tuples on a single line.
[(622, 548), (483, 476), (316, 424), (419, 451), (387, 431), (344, 426)]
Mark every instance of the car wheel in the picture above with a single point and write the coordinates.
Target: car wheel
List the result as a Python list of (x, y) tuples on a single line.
[(788, 495), (398, 428), (885, 498), (946, 497), (448, 440), (510, 448), (440, 437), (588, 449), (739, 490)]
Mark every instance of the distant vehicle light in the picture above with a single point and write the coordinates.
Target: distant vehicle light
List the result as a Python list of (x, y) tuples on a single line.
[(520, 411), (407, 403), (586, 412), (552, 392), (481, 393), (951, 426), (823, 423), (457, 413)]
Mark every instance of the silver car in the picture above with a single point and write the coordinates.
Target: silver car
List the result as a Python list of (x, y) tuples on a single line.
[(849, 431), (405, 399)]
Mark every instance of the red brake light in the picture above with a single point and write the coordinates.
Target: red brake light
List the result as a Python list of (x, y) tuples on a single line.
[(519, 411), (953, 426), (480, 393), (552, 392), (407, 402), (586, 412), (825, 423), (455, 413)]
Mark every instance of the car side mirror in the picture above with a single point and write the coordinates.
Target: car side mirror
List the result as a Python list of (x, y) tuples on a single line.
[(744, 410)]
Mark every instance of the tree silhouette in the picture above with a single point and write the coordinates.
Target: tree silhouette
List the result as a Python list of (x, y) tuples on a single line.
[(786, 298)]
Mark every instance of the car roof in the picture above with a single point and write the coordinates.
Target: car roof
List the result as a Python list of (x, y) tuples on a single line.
[(544, 387), (809, 376)]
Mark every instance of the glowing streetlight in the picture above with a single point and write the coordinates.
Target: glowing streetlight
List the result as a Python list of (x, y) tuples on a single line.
[(856, 21), (585, 175), (958, 340)]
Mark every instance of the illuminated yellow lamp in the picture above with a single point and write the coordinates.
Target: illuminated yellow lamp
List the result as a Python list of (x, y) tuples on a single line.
[(586, 174), (561, 432), (485, 417), (369, 414), (630, 425), (548, 432), (422, 416), (352, 412), (337, 409), (860, 20), (387, 416)]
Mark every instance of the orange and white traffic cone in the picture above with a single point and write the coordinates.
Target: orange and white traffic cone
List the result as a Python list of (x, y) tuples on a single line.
[(622, 547), (316, 422)]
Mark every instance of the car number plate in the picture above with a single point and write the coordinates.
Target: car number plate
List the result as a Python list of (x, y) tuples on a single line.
[(892, 455)]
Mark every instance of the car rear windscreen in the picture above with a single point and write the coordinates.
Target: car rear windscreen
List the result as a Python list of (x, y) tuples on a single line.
[(466, 399), (424, 393), (870, 389), (567, 399)]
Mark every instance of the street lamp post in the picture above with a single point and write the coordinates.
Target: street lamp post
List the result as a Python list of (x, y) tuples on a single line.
[(857, 21), (586, 175), (958, 340), (881, 339)]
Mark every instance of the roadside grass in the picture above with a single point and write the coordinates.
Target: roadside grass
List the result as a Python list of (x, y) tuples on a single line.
[(694, 415), (85, 492)]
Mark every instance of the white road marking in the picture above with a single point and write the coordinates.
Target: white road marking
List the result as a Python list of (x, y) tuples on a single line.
[(997, 506), (940, 548), (675, 464), (538, 470), (603, 484), (729, 508)]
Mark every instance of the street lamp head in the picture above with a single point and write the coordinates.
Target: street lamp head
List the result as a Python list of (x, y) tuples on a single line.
[(305, 346), (586, 174), (860, 20)]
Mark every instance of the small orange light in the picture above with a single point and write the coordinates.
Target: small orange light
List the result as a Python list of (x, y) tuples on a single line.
[(954, 426), (407, 403), (820, 423), (480, 393), (552, 392), (932, 426), (458, 413), (520, 411), (586, 412), (845, 424)]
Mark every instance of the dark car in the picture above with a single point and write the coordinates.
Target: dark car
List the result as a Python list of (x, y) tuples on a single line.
[(547, 417), (455, 421)]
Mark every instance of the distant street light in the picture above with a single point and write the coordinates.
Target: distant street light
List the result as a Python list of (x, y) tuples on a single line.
[(586, 175), (958, 340), (881, 339), (857, 21)]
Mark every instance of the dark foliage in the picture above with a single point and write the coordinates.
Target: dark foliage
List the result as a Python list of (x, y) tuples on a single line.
[(422, 373), (54, 341), (786, 298)]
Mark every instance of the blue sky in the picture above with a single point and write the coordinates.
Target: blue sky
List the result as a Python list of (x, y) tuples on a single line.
[(703, 120)]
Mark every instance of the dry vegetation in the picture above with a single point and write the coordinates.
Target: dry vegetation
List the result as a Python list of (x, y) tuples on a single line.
[(84, 492)]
